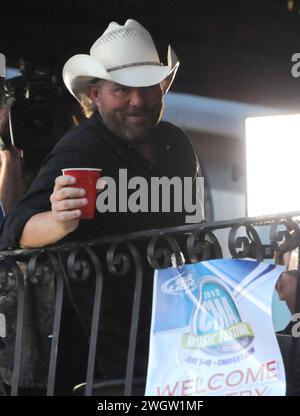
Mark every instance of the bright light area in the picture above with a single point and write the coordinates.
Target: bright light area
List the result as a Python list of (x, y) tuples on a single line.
[(12, 72), (273, 169)]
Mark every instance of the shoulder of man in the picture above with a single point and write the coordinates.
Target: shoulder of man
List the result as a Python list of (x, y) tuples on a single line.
[(88, 132), (181, 140), (165, 127)]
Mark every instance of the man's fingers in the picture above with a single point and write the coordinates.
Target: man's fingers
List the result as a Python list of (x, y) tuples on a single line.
[(68, 204), (67, 200), (67, 193), (64, 180), (63, 191), (67, 215)]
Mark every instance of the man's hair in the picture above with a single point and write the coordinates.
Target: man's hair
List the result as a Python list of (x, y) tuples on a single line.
[(86, 102)]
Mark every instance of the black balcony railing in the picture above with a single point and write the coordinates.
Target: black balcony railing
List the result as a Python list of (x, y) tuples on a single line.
[(34, 284)]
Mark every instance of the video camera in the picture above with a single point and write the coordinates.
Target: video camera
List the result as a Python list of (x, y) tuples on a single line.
[(40, 115)]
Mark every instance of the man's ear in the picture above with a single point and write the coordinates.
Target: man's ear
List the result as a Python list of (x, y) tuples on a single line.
[(94, 93)]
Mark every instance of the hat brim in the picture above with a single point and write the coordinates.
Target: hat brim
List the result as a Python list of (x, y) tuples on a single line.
[(81, 69)]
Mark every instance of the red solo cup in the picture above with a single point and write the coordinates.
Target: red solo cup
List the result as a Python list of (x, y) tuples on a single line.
[(86, 178)]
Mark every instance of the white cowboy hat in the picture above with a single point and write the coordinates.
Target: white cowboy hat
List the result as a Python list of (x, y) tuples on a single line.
[(123, 54)]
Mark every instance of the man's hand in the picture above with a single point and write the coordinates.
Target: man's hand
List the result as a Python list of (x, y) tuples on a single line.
[(49, 227), (66, 202)]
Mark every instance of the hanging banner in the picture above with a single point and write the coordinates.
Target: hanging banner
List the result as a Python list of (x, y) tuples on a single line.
[(212, 331)]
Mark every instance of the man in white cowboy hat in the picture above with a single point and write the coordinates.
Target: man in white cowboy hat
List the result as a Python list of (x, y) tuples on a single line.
[(121, 83)]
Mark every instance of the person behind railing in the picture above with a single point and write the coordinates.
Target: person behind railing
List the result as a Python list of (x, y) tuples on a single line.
[(286, 285), (120, 85), (287, 289)]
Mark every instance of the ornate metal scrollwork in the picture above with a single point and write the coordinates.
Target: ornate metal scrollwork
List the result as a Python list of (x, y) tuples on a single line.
[(284, 240), (78, 265), (249, 245), (120, 258), (40, 269), (203, 245), (80, 262), (163, 251), (9, 270), (15, 281), (118, 263), (126, 256)]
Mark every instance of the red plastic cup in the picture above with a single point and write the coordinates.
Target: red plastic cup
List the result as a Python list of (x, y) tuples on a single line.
[(86, 178)]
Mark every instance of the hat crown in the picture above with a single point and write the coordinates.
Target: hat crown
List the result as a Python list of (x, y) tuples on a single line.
[(124, 45), (125, 55)]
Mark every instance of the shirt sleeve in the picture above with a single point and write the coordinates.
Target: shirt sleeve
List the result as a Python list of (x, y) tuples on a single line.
[(37, 199)]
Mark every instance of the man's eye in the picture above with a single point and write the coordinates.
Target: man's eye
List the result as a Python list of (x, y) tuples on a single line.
[(152, 89), (122, 90)]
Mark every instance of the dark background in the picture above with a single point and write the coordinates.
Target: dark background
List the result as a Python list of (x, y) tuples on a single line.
[(238, 50)]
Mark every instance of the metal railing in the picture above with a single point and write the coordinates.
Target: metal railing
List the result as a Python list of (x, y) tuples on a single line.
[(57, 268)]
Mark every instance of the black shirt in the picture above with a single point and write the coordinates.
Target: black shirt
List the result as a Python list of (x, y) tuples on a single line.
[(91, 145)]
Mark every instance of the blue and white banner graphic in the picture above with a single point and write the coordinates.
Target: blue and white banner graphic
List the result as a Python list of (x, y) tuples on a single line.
[(212, 331)]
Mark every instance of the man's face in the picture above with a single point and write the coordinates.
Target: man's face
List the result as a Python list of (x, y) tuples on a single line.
[(131, 113)]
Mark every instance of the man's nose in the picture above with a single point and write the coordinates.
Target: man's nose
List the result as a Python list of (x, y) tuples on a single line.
[(137, 97)]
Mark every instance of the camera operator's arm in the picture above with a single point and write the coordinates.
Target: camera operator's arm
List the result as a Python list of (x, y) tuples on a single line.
[(11, 183), (49, 227), (4, 117)]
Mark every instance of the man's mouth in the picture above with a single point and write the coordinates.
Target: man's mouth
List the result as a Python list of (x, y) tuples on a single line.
[(138, 118)]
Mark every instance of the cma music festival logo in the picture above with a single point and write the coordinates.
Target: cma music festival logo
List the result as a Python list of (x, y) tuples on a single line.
[(158, 194), (216, 325)]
